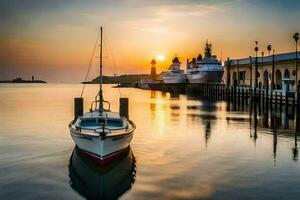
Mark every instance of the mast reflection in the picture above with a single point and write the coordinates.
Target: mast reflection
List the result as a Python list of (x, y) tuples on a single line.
[(255, 122), (295, 149), (274, 145), (174, 95), (106, 182), (152, 94), (207, 132)]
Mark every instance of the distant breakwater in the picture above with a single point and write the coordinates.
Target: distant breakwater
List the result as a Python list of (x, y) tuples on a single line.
[(19, 80)]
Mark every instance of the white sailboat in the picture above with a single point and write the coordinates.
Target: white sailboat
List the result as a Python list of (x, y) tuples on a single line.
[(101, 134)]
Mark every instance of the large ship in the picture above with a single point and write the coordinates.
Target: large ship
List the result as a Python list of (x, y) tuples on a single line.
[(205, 70), (174, 73)]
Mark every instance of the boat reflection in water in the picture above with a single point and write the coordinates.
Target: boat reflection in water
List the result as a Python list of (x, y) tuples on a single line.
[(101, 182)]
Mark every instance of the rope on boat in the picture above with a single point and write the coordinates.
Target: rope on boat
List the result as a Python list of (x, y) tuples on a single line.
[(90, 65), (91, 60), (113, 61)]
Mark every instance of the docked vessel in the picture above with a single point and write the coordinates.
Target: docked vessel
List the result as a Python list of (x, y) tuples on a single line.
[(101, 133), (205, 70), (174, 73)]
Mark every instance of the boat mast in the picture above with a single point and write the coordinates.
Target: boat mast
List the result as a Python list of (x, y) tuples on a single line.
[(100, 92)]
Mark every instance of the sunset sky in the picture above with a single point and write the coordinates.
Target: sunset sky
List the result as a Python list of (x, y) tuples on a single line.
[(53, 40)]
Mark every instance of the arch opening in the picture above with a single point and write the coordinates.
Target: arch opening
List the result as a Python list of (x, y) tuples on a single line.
[(287, 73), (233, 78), (266, 80), (278, 80)]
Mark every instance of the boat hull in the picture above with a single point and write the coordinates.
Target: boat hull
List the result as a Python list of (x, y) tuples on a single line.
[(105, 160), (174, 78), (206, 77), (102, 148), (101, 182)]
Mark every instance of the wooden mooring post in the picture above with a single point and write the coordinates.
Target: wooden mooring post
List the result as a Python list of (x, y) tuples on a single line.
[(286, 104), (294, 109), (298, 111), (263, 99), (275, 102), (280, 103), (243, 96), (235, 91), (124, 107), (238, 95), (78, 107)]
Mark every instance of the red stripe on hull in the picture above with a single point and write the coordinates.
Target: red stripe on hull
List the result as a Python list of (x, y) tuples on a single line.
[(106, 160)]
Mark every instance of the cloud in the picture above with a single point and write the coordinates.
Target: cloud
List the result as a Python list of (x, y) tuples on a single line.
[(36, 33), (157, 18)]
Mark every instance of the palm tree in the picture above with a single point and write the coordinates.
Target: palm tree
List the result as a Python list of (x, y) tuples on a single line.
[(269, 47), (256, 47), (273, 69), (296, 38), (256, 71), (262, 59)]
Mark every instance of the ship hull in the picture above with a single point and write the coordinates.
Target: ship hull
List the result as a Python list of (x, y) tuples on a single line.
[(206, 77), (174, 78)]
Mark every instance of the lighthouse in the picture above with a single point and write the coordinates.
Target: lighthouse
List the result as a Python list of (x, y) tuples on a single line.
[(153, 69)]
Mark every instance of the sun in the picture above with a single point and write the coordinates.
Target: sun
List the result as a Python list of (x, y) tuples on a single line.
[(160, 57)]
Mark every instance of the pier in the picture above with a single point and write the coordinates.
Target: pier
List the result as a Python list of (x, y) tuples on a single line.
[(264, 100), (268, 83)]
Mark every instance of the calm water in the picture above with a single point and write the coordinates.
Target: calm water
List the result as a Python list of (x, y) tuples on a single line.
[(182, 149)]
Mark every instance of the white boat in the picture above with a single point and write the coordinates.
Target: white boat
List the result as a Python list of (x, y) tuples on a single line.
[(101, 133), (205, 70), (174, 73)]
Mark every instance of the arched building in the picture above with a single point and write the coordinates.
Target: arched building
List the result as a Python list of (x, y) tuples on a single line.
[(243, 71)]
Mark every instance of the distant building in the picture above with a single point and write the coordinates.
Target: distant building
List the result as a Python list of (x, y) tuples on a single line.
[(153, 69), (154, 78), (18, 79), (242, 71)]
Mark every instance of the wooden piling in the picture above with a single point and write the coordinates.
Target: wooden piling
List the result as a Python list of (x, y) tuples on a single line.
[(298, 111), (78, 107), (232, 93), (275, 102), (263, 99), (243, 96), (271, 99), (259, 103), (280, 102), (124, 107), (293, 104), (235, 90), (286, 104)]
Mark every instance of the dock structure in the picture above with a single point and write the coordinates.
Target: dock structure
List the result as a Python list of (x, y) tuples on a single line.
[(242, 86), (243, 72), (241, 96)]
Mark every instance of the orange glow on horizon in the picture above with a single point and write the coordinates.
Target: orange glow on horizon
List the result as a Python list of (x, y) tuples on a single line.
[(58, 42)]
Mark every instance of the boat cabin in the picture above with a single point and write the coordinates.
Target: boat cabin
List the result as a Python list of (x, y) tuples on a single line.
[(92, 120)]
